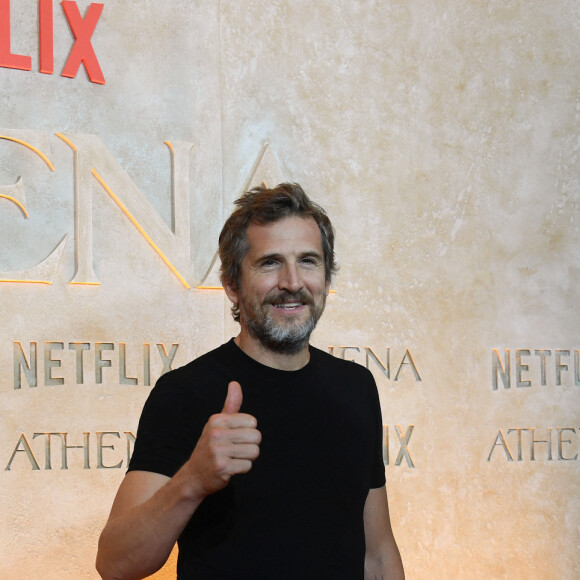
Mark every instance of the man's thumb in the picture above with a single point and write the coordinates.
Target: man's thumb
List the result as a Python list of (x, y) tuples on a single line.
[(234, 398)]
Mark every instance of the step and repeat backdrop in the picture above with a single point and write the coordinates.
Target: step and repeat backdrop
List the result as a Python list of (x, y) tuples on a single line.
[(443, 140)]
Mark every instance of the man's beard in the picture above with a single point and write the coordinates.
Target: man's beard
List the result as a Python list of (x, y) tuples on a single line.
[(288, 337)]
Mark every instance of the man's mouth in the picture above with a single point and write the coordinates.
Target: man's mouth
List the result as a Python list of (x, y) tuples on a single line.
[(288, 305), (288, 302)]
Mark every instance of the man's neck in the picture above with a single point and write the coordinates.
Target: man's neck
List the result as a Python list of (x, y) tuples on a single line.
[(277, 360)]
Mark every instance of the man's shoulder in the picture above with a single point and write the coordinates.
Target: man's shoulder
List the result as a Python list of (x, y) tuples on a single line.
[(216, 356), (331, 363), (205, 365)]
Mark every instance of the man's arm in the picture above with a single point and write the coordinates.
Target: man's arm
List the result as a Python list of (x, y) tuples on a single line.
[(148, 514), (151, 510), (382, 558)]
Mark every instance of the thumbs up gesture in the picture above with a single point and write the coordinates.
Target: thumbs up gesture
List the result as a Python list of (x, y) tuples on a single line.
[(233, 401), (228, 445)]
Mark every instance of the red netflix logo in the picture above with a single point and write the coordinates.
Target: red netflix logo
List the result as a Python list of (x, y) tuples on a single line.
[(82, 50)]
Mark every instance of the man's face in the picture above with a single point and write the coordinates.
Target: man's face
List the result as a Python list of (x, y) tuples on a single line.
[(283, 287)]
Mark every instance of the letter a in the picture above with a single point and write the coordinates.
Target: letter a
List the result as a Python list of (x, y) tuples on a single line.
[(26, 449), (500, 441)]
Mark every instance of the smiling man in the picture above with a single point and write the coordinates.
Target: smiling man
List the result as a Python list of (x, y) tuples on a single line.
[(262, 459)]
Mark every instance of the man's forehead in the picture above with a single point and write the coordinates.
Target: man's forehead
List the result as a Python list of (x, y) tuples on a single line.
[(298, 233)]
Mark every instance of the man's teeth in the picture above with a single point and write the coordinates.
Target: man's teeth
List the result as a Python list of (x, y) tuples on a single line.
[(289, 306)]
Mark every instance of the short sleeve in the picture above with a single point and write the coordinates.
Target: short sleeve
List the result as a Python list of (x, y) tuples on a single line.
[(170, 424)]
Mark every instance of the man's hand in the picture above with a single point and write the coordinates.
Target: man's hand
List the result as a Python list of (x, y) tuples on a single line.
[(228, 445)]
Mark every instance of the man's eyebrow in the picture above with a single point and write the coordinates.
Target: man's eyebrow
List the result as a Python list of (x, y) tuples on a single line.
[(265, 258), (270, 256), (279, 256), (311, 254)]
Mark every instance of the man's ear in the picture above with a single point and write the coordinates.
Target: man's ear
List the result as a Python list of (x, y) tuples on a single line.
[(327, 287), (231, 293)]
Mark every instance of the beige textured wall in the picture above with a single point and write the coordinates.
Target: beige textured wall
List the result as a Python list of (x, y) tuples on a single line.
[(442, 137)]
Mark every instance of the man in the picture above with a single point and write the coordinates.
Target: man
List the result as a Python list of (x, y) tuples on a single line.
[(262, 458)]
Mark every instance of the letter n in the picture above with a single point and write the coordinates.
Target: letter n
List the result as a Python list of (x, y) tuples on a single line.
[(498, 368), (95, 165), (21, 364)]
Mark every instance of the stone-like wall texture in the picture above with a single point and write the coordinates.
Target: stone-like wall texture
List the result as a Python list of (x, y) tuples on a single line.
[(443, 140)]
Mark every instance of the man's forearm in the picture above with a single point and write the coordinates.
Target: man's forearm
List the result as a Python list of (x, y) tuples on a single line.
[(385, 567), (137, 542)]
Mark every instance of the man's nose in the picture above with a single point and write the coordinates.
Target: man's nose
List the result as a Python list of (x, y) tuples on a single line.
[(290, 278)]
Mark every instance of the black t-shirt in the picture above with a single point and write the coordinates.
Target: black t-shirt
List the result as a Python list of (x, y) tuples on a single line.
[(298, 513)]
